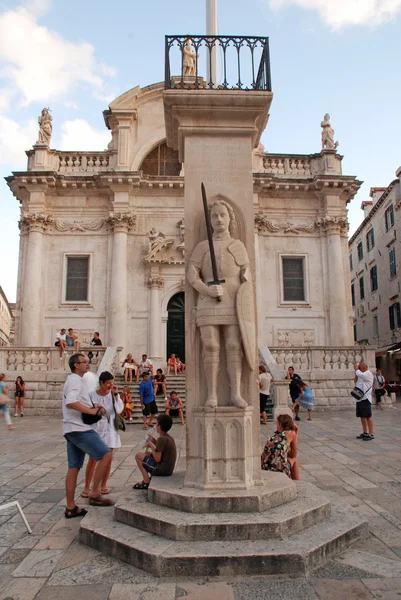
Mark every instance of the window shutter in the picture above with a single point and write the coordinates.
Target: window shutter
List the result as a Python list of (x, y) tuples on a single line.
[(391, 317), (293, 280), (77, 279)]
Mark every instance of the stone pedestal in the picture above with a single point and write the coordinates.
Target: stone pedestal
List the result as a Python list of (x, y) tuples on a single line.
[(281, 406)]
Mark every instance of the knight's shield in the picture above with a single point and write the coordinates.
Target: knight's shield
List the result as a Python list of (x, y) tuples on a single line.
[(246, 318)]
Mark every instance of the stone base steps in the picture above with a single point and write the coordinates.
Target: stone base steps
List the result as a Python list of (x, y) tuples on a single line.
[(165, 557)]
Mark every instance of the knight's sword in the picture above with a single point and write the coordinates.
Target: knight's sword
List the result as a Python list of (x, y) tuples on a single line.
[(216, 280)]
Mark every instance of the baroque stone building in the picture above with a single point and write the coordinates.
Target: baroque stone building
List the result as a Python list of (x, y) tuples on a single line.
[(103, 241)]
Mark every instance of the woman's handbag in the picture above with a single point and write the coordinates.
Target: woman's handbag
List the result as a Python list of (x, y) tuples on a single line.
[(92, 419), (357, 393), (119, 422), (4, 399)]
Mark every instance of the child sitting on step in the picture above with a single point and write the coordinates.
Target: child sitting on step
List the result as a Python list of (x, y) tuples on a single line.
[(160, 456), (126, 397)]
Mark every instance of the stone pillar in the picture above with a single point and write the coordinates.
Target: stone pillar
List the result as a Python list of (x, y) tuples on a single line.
[(340, 332), (32, 292), (120, 224), (215, 134), (281, 405), (155, 284)]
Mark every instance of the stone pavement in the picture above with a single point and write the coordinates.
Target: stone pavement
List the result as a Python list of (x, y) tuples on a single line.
[(51, 564)]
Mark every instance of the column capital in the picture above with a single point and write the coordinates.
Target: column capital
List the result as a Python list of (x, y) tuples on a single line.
[(155, 282), (121, 222), (35, 222), (333, 225)]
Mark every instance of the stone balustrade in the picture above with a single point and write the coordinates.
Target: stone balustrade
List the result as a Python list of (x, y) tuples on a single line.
[(83, 162), (322, 358), (22, 360), (290, 166)]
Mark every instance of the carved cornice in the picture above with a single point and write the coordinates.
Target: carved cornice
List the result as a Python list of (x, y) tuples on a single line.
[(76, 226), (156, 283), (124, 222), (330, 224), (333, 224), (35, 222)]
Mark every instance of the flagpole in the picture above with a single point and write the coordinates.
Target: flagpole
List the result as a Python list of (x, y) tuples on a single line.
[(212, 29)]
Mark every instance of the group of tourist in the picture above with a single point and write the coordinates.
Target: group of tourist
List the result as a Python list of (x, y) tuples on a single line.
[(69, 339), (90, 426), (145, 365)]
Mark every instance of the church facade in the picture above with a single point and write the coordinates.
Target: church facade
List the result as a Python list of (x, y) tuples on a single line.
[(102, 245)]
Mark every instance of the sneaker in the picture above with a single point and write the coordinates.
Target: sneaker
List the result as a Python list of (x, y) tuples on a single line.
[(297, 419), (131, 419), (165, 397), (362, 436), (15, 414), (368, 437), (22, 414)]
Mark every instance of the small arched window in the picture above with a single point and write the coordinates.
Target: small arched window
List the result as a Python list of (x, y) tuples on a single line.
[(162, 161)]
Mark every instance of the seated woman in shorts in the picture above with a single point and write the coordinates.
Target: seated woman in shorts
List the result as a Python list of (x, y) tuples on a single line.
[(280, 451), (129, 368), (180, 365)]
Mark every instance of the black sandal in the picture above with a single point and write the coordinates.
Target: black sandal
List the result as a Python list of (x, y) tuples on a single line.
[(141, 486), (70, 513)]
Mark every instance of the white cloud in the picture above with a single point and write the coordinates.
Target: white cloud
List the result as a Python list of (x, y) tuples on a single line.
[(78, 134), (340, 13), (15, 139), (38, 7), (39, 65)]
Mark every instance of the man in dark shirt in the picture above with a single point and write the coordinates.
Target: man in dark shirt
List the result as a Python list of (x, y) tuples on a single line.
[(295, 391), (96, 341), (160, 456)]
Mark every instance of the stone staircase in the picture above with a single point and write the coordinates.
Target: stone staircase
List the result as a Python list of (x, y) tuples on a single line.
[(174, 382)]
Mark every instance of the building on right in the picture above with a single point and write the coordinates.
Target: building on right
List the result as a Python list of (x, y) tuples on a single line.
[(375, 267)]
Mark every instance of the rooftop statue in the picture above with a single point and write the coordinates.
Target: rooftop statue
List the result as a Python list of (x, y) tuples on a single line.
[(189, 59), (221, 303), (45, 127), (328, 134)]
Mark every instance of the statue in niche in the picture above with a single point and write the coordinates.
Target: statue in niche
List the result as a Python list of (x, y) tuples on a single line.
[(45, 127), (328, 134), (229, 314), (189, 59)]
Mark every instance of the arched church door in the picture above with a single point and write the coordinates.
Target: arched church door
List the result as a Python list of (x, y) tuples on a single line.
[(176, 326)]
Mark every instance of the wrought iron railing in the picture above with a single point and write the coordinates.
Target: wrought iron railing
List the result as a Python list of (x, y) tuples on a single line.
[(243, 62)]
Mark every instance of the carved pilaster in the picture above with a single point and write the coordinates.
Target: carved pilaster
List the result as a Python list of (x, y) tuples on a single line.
[(333, 225), (155, 282), (35, 222), (123, 222)]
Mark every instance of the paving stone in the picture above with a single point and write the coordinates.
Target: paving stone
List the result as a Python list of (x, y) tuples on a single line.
[(332, 589), (76, 554), (290, 589), (374, 564), (22, 589), (335, 569), (78, 592), (38, 563), (53, 495), (124, 591), (384, 589), (13, 555)]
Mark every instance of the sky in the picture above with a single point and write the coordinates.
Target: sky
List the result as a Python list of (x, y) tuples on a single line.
[(335, 56)]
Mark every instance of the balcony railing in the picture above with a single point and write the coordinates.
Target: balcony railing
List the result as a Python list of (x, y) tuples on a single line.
[(244, 62)]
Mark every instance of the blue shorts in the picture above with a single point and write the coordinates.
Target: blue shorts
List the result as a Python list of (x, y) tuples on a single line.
[(151, 466), (80, 443), (70, 342)]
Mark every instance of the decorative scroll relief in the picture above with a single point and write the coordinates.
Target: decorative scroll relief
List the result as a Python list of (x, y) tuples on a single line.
[(35, 222), (121, 221), (296, 337), (78, 225), (264, 225), (163, 250)]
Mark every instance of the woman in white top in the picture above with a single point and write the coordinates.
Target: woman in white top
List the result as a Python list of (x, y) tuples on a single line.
[(103, 396)]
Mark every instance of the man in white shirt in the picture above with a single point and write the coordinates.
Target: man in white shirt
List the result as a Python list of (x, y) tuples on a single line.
[(264, 381), (81, 438), (364, 381), (61, 341), (145, 366)]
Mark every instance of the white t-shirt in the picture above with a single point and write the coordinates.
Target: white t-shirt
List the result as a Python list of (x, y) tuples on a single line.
[(365, 383), (265, 381), (61, 336), (105, 427), (145, 365), (74, 391)]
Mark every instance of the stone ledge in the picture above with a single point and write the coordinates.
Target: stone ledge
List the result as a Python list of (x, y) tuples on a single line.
[(277, 489), (310, 507)]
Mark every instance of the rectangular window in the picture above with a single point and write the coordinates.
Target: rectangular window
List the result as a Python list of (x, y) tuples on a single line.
[(293, 280), (360, 250), (350, 262), (355, 338), (375, 326), (373, 279), (362, 288), (370, 239), (389, 217), (353, 294), (77, 279), (393, 266), (394, 313)]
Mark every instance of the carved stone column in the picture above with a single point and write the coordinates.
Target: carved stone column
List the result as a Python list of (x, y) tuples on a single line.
[(34, 225), (335, 228), (120, 224), (155, 284)]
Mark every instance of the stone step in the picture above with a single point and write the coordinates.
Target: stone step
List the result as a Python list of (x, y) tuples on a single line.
[(163, 557), (310, 507)]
